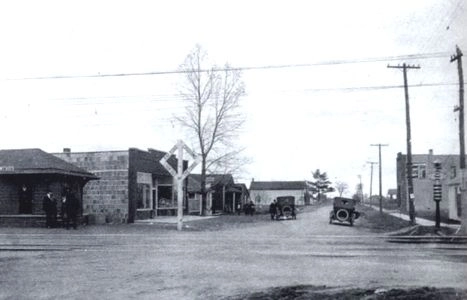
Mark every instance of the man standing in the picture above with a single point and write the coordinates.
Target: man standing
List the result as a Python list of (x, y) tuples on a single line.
[(25, 200), (49, 205), (71, 209), (272, 209)]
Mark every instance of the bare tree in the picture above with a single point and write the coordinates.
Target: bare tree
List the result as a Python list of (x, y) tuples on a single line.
[(212, 116), (341, 187)]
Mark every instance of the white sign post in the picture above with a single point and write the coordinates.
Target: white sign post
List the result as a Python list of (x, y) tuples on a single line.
[(179, 175)]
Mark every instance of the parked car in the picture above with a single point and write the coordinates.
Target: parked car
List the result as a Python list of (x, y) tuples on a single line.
[(285, 208), (343, 210)]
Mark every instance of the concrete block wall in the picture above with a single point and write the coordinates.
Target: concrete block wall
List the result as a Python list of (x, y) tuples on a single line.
[(106, 198)]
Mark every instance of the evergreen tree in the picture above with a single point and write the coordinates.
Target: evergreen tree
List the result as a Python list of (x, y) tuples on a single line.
[(321, 184)]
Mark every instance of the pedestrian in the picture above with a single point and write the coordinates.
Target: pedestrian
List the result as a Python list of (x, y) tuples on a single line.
[(272, 209), (251, 208), (49, 205), (292, 207), (71, 209), (25, 200), (64, 210), (239, 208), (246, 209)]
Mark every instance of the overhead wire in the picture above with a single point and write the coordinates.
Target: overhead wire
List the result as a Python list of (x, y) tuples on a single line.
[(179, 98), (248, 68)]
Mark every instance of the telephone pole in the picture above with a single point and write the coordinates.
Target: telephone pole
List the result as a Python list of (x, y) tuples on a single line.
[(371, 178), (380, 178), (360, 188), (404, 68), (460, 109)]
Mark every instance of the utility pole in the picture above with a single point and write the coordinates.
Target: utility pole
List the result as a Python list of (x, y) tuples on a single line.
[(404, 68), (380, 178), (460, 109), (371, 178), (360, 188)]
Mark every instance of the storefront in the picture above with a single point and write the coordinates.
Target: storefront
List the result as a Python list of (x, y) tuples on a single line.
[(134, 185)]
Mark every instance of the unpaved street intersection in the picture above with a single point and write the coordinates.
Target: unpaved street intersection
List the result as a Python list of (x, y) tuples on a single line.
[(151, 263)]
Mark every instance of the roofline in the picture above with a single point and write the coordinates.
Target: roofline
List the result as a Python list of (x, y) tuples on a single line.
[(48, 171), (83, 152), (149, 150), (278, 189), (302, 180)]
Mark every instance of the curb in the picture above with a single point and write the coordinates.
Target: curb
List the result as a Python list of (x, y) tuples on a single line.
[(428, 239)]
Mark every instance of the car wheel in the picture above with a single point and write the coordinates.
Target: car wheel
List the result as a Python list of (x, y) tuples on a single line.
[(342, 215)]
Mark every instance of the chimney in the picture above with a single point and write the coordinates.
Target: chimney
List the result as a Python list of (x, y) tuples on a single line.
[(67, 151), (430, 151)]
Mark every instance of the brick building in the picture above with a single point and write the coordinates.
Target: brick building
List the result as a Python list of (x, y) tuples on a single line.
[(133, 184), (422, 172), (25, 177)]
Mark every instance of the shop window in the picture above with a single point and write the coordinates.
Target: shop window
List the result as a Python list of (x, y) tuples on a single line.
[(144, 196), (165, 196), (453, 172)]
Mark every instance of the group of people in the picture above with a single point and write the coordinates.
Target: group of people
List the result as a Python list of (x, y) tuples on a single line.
[(69, 208), (249, 208)]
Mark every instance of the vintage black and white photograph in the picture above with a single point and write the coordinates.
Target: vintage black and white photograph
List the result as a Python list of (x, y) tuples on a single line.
[(233, 149)]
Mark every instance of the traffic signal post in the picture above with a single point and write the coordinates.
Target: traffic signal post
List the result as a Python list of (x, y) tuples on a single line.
[(437, 191)]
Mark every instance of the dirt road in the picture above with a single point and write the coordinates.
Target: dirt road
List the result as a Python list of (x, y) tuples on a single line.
[(164, 264)]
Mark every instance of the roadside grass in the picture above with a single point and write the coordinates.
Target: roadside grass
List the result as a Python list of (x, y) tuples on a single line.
[(384, 223), (380, 223)]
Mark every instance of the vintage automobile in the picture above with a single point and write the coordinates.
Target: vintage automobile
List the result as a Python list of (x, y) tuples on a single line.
[(285, 208), (343, 211)]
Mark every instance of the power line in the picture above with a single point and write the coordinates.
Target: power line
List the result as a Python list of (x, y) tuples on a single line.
[(381, 87), (265, 67), (179, 98)]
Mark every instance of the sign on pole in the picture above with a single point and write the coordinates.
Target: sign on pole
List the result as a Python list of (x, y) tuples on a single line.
[(179, 174)]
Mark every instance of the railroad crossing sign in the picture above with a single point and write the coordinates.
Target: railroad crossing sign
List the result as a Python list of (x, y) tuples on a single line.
[(179, 175), (180, 146)]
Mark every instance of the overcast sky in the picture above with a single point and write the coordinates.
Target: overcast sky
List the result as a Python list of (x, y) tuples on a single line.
[(324, 115)]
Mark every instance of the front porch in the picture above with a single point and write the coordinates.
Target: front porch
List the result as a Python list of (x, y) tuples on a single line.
[(34, 220)]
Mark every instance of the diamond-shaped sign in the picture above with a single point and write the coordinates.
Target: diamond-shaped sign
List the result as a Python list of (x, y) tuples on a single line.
[(171, 170)]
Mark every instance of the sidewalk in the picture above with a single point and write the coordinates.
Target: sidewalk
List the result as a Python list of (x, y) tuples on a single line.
[(419, 221), (173, 219)]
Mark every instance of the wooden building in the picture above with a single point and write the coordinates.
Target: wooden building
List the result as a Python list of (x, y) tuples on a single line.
[(25, 177)]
